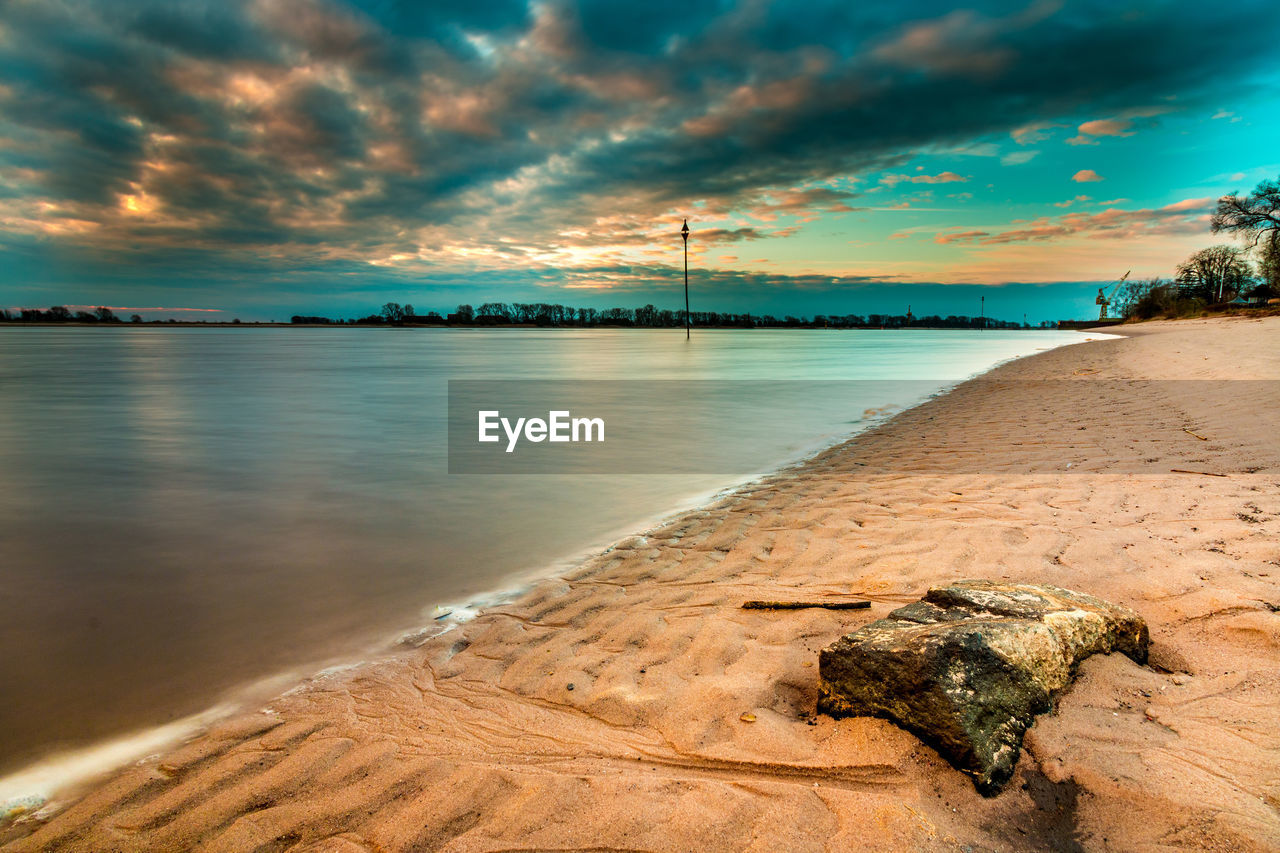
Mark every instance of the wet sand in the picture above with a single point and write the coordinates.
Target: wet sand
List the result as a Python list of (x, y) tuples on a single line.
[(603, 709)]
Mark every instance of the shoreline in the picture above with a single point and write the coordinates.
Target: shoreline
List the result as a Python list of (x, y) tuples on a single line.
[(625, 720), (271, 324)]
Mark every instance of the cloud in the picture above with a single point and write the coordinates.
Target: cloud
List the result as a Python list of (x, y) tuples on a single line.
[(977, 149), (1190, 216), (940, 178), (959, 236), (1087, 176), (724, 236), (1101, 127), (1017, 158), (1071, 201), (963, 42), (644, 276), (1030, 134), (1108, 127), (317, 134), (807, 204), (1124, 125)]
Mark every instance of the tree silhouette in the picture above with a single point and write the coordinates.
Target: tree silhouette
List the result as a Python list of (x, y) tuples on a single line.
[(1256, 219), (1213, 273)]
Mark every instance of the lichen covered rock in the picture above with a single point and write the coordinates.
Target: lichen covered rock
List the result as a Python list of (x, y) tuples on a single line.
[(969, 666)]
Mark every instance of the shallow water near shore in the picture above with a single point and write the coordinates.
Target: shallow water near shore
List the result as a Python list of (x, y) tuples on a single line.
[(186, 511)]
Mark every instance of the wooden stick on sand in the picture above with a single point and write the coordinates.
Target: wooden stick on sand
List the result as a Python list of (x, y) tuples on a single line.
[(801, 605)]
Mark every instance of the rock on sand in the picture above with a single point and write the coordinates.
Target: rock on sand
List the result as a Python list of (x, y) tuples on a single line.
[(969, 666)]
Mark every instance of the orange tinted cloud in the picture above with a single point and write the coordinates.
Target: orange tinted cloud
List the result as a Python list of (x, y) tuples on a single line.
[(1190, 216), (940, 178), (959, 236)]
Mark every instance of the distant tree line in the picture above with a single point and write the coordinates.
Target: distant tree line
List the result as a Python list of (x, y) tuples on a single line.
[(62, 314), (1219, 276), (546, 314), (549, 314)]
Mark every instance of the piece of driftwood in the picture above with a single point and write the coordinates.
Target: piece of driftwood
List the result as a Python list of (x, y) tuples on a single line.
[(1205, 473), (1196, 434), (801, 605)]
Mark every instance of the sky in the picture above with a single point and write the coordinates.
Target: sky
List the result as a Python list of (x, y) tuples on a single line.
[(211, 159)]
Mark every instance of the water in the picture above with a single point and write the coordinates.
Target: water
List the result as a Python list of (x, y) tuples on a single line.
[(185, 511)]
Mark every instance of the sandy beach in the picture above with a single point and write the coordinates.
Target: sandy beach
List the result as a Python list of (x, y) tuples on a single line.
[(604, 710)]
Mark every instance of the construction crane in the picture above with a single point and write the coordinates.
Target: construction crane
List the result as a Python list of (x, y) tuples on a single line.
[(1105, 294)]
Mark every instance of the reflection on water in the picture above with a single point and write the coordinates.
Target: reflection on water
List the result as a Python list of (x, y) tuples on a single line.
[(186, 510)]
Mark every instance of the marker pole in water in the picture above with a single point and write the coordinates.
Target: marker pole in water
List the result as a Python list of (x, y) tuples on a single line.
[(684, 232)]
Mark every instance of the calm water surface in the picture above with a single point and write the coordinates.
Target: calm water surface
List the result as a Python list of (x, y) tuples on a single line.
[(184, 511)]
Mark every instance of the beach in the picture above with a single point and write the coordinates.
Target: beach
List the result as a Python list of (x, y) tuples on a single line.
[(630, 703)]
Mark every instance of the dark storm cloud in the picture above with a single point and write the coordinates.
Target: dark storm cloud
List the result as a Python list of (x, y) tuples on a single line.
[(212, 30), (923, 83), (643, 28), (385, 126), (446, 21)]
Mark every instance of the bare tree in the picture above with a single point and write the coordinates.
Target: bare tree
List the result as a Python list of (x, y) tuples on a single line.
[(1256, 219), (393, 313), (1134, 292), (1211, 273)]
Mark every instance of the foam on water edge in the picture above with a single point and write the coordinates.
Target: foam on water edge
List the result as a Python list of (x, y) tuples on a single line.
[(30, 788)]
